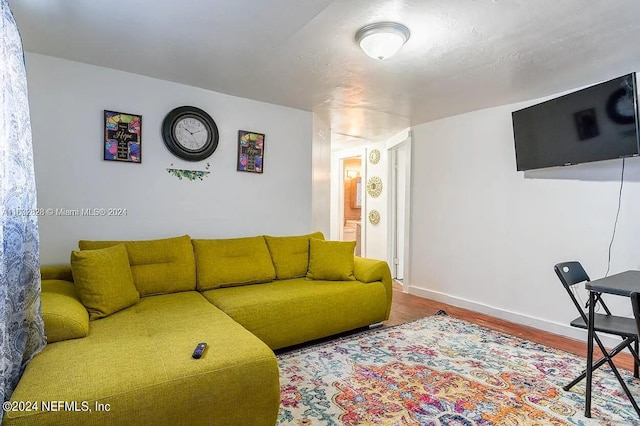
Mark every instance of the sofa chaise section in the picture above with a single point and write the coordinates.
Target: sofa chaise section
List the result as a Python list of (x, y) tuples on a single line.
[(137, 362)]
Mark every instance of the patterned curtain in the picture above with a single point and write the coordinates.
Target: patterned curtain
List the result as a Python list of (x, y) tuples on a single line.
[(21, 326)]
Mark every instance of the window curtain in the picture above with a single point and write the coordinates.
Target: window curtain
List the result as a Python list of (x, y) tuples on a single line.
[(21, 326)]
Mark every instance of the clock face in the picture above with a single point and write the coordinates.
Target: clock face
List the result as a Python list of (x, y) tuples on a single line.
[(191, 133)]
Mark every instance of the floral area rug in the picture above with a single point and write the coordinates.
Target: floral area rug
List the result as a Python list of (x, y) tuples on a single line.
[(444, 371)]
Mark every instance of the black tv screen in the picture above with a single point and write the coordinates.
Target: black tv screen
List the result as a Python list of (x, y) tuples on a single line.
[(592, 124)]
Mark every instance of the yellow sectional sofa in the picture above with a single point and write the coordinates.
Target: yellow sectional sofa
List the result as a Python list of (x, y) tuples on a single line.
[(124, 318)]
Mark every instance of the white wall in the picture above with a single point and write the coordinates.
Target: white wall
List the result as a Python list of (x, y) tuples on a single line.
[(321, 197), (67, 100), (486, 237), (377, 239)]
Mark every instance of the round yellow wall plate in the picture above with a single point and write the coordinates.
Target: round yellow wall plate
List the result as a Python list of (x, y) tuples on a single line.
[(374, 217), (374, 156), (374, 186)]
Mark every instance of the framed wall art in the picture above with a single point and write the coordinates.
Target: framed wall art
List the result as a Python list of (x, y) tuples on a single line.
[(122, 137), (250, 151)]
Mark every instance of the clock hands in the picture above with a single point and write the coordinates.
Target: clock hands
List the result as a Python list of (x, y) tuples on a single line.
[(193, 133)]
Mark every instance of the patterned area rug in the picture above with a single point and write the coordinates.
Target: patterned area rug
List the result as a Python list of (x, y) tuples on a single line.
[(443, 371)]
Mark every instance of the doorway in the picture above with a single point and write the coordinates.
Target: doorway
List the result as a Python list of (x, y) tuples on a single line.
[(400, 171), (351, 223)]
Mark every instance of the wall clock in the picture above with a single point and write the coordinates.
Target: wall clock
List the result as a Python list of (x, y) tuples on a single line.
[(190, 133)]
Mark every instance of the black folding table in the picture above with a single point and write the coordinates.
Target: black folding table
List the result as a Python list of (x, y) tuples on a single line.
[(622, 284)]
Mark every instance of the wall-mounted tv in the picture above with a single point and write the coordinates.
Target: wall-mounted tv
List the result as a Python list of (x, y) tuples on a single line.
[(592, 124)]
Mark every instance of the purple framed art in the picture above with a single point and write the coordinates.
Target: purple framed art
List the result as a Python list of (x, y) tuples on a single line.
[(250, 151), (122, 137)]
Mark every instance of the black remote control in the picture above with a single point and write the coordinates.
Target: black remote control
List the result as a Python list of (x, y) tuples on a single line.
[(197, 353)]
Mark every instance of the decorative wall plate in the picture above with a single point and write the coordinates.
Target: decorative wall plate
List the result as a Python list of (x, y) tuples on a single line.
[(374, 186), (374, 156), (374, 217)]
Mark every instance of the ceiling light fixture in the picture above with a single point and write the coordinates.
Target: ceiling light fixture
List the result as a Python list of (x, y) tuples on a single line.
[(382, 40)]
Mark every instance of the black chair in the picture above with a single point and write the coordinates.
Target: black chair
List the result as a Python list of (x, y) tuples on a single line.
[(571, 274), (635, 304)]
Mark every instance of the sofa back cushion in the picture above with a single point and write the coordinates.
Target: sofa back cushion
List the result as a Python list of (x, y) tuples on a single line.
[(290, 255), (331, 260), (232, 262), (158, 266)]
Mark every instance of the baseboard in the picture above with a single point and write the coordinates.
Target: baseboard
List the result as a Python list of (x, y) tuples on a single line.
[(539, 323)]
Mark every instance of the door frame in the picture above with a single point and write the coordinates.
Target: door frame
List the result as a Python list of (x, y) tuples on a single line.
[(402, 139)]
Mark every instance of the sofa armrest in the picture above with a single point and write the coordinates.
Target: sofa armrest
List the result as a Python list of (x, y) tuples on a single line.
[(56, 272), (64, 315), (373, 270)]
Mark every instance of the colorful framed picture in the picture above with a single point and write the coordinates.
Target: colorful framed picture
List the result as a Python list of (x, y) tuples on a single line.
[(250, 151), (122, 137)]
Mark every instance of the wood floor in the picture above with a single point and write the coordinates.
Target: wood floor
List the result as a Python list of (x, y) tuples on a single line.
[(407, 307)]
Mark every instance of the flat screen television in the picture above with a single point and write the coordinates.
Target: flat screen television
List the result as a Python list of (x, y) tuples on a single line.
[(592, 124)]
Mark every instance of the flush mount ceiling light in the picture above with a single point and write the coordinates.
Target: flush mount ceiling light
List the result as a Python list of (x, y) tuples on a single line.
[(382, 39)]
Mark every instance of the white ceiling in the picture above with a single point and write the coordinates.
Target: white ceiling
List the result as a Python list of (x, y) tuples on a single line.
[(462, 55)]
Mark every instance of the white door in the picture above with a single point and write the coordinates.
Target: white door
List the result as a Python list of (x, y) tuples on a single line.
[(400, 172)]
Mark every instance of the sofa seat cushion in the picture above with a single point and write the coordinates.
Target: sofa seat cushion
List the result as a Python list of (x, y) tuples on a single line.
[(232, 262), (288, 312), (158, 266), (139, 362)]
